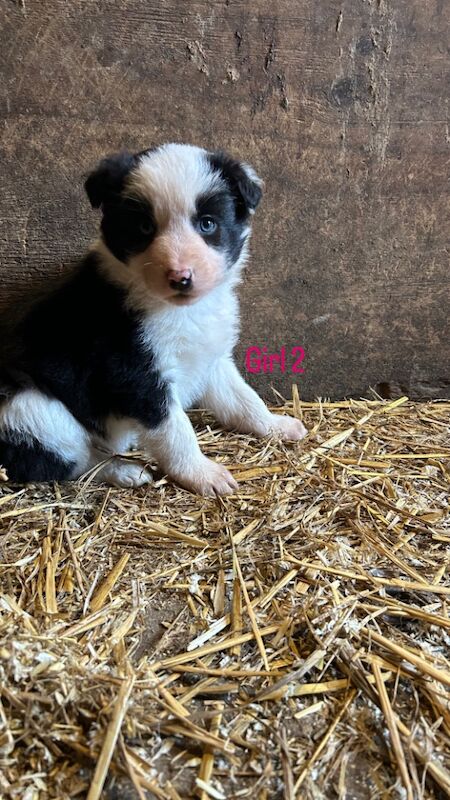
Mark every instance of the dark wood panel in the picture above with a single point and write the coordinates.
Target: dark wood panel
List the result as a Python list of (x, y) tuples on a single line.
[(341, 107)]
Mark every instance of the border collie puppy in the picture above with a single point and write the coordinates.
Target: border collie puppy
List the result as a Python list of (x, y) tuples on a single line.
[(144, 329)]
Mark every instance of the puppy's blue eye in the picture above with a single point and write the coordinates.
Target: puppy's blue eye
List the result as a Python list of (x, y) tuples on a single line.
[(207, 225)]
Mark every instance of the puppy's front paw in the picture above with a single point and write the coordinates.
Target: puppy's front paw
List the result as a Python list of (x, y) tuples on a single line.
[(288, 428), (209, 479)]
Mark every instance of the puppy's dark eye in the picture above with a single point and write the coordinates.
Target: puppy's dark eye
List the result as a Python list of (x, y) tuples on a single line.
[(146, 227), (207, 225)]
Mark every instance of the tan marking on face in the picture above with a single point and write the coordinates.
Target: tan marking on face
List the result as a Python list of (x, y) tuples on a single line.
[(179, 247)]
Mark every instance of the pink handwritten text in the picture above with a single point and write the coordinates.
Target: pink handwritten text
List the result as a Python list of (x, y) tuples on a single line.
[(258, 359)]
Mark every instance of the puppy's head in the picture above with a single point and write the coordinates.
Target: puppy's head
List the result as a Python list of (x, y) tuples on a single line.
[(177, 216)]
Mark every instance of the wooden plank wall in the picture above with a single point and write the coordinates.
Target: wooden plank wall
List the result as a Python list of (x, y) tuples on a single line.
[(342, 107)]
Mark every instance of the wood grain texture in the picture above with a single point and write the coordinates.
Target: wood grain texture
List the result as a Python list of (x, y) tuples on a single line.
[(342, 107)]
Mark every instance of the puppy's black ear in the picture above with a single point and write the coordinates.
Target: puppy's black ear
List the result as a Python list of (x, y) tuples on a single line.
[(108, 179), (242, 180)]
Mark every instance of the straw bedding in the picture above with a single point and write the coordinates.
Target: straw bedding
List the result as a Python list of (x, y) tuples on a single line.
[(289, 641)]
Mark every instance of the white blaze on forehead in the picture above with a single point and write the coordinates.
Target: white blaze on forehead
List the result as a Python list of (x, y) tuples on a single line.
[(171, 178)]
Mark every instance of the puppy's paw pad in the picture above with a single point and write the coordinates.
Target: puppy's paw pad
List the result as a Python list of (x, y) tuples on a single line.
[(288, 428), (127, 475), (210, 479)]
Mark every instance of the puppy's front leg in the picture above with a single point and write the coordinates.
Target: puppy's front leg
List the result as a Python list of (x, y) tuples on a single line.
[(236, 405), (174, 445)]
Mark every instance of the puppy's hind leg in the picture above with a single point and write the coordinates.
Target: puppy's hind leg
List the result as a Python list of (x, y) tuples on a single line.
[(40, 440), (120, 437)]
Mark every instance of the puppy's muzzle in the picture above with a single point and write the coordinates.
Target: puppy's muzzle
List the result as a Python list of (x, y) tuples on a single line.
[(180, 280)]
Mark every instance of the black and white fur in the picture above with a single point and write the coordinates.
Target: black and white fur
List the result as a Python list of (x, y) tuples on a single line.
[(144, 329)]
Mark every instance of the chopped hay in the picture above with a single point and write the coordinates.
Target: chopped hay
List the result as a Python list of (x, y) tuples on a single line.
[(289, 641)]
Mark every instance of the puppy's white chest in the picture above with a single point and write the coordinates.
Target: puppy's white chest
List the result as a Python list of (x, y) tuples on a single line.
[(187, 341)]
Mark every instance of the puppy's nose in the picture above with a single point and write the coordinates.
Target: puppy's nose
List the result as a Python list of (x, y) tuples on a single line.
[(180, 280)]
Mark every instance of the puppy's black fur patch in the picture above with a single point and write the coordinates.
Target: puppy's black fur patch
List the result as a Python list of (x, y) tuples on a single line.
[(246, 192), (107, 181), (29, 461), (83, 346), (128, 225), (228, 235)]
